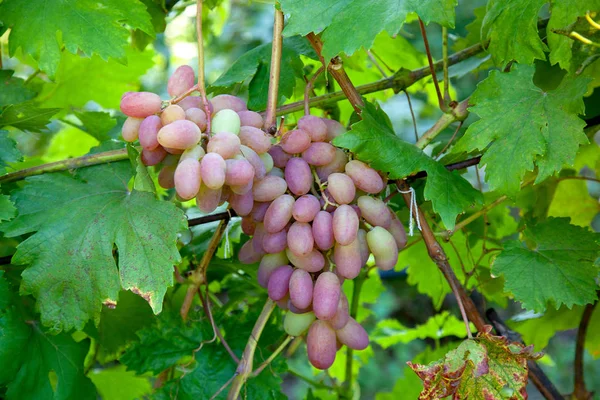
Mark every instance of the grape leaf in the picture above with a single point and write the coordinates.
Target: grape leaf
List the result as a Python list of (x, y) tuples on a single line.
[(511, 27), (572, 199), (524, 125), (116, 383), (487, 368), (554, 263), (8, 151), (86, 25), (13, 89), (27, 116), (77, 221), (96, 123), (337, 18), (537, 329), (7, 208), (373, 141)]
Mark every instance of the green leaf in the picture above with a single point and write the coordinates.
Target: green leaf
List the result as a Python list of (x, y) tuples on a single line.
[(27, 116), (96, 123), (77, 221), (337, 18), (537, 330), (40, 28), (511, 27), (487, 368), (7, 208), (373, 141), (555, 263), (13, 89), (572, 199), (116, 383), (142, 180), (524, 126), (80, 79), (8, 151)]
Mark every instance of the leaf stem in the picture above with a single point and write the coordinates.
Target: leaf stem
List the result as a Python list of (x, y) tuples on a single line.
[(273, 95), (580, 392), (412, 115), (447, 98), (273, 355), (441, 102), (458, 113)]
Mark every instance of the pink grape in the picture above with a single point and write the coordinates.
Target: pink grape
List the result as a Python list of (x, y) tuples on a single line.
[(342, 316), (321, 345), (213, 168), (242, 204), (251, 118), (193, 102), (365, 178), (337, 165), (248, 255), (254, 138), (279, 213), (348, 259), (306, 208), (279, 282), (131, 129), (148, 132), (384, 248), (259, 210), (242, 189), (341, 188), (179, 135), (166, 177), (314, 126), (295, 141), (353, 335), (182, 80), (140, 104), (171, 114), (298, 176), (268, 264), (313, 262), (280, 157), (239, 172), (319, 154), (257, 239), (322, 228), (345, 225), (297, 310), (374, 211), (226, 101), (363, 246), (153, 157), (269, 188), (187, 178), (197, 116), (300, 239), (301, 289), (248, 225), (207, 199), (275, 242), (326, 296), (225, 144), (295, 324), (397, 230), (334, 128), (254, 159)]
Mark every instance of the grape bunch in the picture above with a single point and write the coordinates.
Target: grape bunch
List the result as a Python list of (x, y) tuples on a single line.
[(316, 218), (217, 159)]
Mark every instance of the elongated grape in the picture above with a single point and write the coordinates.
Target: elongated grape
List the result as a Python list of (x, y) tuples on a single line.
[(225, 144), (268, 264), (337, 165), (267, 161), (153, 157), (314, 126), (248, 225), (148, 132), (319, 154), (207, 199), (171, 114), (280, 157), (295, 141), (242, 204), (194, 153), (269, 188), (298, 176), (192, 102), (242, 189), (254, 159), (353, 335), (301, 289), (257, 239), (248, 255), (275, 242), (197, 116), (279, 282), (300, 239), (384, 248), (225, 121), (251, 118), (363, 245), (334, 128), (279, 213), (397, 230), (297, 324), (226, 101), (326, 295), (239, 172), (341, 188), (213, 168), (181, 80), (187, 178), (131, 129), (259, 210), (322, 228), (341, 315), (365, 178), (374, 211), (348, 259), (306, 208), (313, 262), (180, 135), (321, 345), (345, 225), (166, 177), (140, 104), (255, 138)]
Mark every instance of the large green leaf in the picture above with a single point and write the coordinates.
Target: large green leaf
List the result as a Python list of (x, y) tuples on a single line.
[(348, 25), (77, 221), (27, 116), (116, 383), (42, 27), (521, 126), (555, 263), (373, 141), (13, 89), (8, 151)]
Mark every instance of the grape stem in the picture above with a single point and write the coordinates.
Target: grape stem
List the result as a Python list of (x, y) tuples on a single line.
[(441, 102), (273, 94), (201, 76), (580, 391), (206, 305), (308, 88), (273, 355)]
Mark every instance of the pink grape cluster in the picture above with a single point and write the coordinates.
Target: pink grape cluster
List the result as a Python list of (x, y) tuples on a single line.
[(225, 164), (316, 219)]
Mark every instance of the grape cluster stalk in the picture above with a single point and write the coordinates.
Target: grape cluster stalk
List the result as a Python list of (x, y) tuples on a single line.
[(314, 214)]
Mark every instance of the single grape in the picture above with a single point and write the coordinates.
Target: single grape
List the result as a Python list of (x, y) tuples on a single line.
[(225, 121), (295, 141), (171, 114), (140, 104), (254, 138), (275, 242), (254, 159), (326, 295), (153, 157), (248, 225), (297, 310), (306, 208), (268, 264), (334, 129), (279, 282), (319, 154), (259, 210), (194, 153), (397, 230), (187, 178), (131, 129), (279, 213), (353, 335), (179, 135), (242, 189), (269, 188), (364, 246), (226, 101), (193, 102), (300, 239), (301, 289), (337, 165), (345, 225), (321, 345), (251, 118), (384, 248), (297, 324), (341, 188), (348, 259), (225, 144), (166, 177), (365, 178), (313, 262), (248, 255), (197, 116), (213, 168), (242, 204), (181, 81), (239, 172), (322, 228), (298, 176), (148, 132), (342, 315), (374, 211), (267, 161), (207, 199), (314, 126), (280, 157)]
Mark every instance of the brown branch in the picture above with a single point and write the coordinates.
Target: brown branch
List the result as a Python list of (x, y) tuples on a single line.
[(430, 60), (273, 95), (307, 89), (580, 392)]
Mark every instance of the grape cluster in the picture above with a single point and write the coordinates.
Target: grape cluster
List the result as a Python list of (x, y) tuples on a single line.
[(315, 221), (215, 162)]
